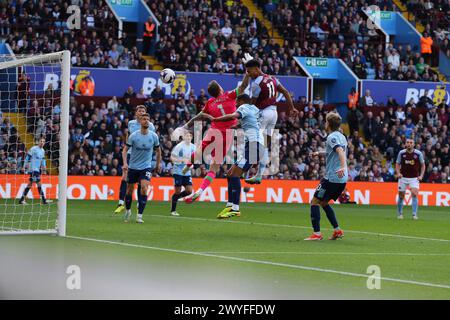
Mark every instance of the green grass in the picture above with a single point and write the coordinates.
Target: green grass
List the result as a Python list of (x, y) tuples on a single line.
[(266, 246)]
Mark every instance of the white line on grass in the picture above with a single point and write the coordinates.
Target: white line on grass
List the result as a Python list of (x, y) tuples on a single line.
[(270, 263), (330, 253), (300, 227)]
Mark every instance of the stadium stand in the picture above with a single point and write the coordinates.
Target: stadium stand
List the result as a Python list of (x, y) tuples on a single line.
[(31, 28)]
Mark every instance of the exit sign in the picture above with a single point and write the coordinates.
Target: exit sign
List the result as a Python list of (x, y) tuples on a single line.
[(122, 2), (317, 62)]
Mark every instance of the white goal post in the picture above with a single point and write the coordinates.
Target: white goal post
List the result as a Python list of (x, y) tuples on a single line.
[(34, 143)]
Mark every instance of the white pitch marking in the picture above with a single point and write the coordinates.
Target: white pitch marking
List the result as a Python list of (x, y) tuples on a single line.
[(301, 227), (277, 264), (330, 253)]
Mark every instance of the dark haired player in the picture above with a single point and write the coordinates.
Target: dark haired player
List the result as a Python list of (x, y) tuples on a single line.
[(133, 126), (248, 115), (335, 180), (410, 168), (221, 134), (139, 170), (263, 92)]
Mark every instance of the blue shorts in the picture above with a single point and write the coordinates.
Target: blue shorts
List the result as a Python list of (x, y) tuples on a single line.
[(135, 176), (253, 153), (35, 176), (182, 180), (327, 190)]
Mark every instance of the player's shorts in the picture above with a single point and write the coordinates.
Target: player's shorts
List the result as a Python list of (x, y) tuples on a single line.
[(253, 153), (404, 183), (268, 119), (327, 190), (35, 176), (222, 145), (135, 176), (182, 180)]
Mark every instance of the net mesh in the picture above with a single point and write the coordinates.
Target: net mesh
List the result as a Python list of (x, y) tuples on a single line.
[(30, 111)]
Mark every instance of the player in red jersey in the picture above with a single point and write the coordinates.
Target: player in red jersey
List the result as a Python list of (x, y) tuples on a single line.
[(263, 91), (219, 138)]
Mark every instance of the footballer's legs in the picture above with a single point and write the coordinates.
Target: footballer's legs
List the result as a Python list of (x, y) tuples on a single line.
[(178, 195), (142, 199), (315, 220), (234, 193), (25, 193), (415, 202), (229, 205), (207, 180), (122, 193), (401, 197), (41, 193), (337, 232), (128, 200)]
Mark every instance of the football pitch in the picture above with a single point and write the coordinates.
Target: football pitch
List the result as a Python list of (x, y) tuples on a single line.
[(260, 255)]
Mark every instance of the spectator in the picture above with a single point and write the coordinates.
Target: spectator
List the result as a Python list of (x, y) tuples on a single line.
[(149, 32), (426, 43), (129, 93), (113, 104), (157, 93), (367, 100)]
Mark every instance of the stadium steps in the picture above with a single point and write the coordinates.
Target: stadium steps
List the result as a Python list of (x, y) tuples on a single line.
[(253, 9), (153, 63), (441, 76), (409, 16), (18, 121), (419, 26)]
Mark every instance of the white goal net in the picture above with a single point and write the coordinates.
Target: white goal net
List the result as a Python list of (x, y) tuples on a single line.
[(34, 124)]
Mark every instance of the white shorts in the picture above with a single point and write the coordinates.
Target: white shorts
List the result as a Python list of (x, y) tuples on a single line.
[(404, 183), (268, 119)]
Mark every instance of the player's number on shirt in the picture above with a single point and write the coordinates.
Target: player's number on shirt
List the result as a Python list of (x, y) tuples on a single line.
[(221, 109), (271, 88)]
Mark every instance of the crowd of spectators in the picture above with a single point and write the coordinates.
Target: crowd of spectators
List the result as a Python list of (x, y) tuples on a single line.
[(211, 36), (339, 29), (33, 28), (12, 150)]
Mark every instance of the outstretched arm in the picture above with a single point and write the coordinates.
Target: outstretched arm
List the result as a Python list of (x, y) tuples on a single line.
[(199, 116), (243, 85), (227, 117), (287, 95)]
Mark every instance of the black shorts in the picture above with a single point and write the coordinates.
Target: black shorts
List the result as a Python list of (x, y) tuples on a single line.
[(35, 176), (254, 151), (135, 176), (182, 180), (327, 190)]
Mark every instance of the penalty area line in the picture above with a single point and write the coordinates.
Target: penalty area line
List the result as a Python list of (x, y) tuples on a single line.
[(301, 227), (261, 262)]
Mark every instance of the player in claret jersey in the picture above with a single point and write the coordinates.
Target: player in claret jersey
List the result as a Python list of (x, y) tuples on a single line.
[(410, 168), (220, 133), (263, 91)]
